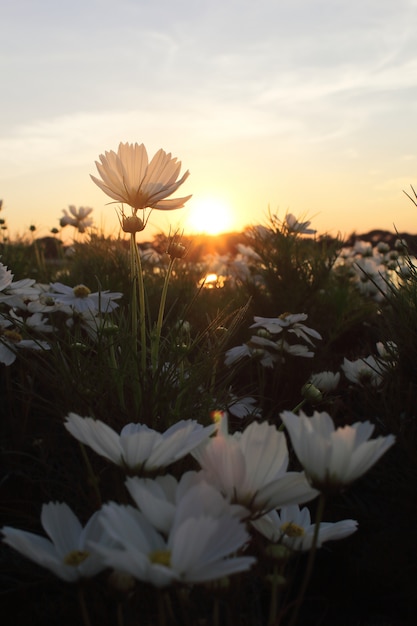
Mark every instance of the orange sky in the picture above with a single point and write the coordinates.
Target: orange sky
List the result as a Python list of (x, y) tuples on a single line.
[(306, 106)]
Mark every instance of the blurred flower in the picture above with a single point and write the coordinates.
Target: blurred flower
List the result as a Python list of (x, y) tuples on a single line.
[(325, 381), (65, 553), (81, 299), (364, 371), (292, 526), (268, 346), (290, 322), (127, 177), (200, 546), (138, 447), (11, 340), (243, 407), (6, 277), (294, 226), (333, 458), (250, 468), (17, 293), (79, 219)]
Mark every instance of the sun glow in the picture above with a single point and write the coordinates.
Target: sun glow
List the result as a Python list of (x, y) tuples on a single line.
[(210, 216)]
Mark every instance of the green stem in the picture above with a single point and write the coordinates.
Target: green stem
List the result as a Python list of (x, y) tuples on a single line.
[(142, 310), (295, 409), (92, 478), (83, 607), (134, 301), (310, 562), (157, 338)]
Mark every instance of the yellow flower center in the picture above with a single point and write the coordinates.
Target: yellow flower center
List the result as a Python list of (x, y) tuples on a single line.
[(283, 316), (12, 335), (81, 291), (292, 530), (76, 557), (162, 557)]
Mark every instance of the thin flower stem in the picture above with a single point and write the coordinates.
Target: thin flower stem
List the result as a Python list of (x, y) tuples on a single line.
[(310, 563), (273, 605), (295, 410), (92, 478), (138, 290), (83, 607), (134, 301), (157, 338)]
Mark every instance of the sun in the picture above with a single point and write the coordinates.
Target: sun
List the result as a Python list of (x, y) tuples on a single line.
[(211, 216)]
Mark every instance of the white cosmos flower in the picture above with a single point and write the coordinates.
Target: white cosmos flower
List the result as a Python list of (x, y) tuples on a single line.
[(294, 226), (325, 381), (81, 299), (128, 177), (65, 552), (198, 547), (139, 447), (17, 293), (292, 526), (364, 371), (250, 468), (11, 341), (158, 498), (6, 277), (333, 458)]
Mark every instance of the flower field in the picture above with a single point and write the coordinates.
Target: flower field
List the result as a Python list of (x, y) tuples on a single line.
[(200, 437)]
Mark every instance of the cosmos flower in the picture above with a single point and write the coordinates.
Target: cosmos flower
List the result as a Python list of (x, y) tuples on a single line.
[(294, 226), (292, 526), (364, 371), (81, 299), (6, 277), (325, 381), (128, 177), (65, 552), (333, 458), (11, 341), (158, 498), (250, 468), (139, 447), (79, 219), (197, 549), (18, 293)]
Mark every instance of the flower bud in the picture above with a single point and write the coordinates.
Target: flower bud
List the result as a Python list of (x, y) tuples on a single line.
[(132, 224), (311, 393)]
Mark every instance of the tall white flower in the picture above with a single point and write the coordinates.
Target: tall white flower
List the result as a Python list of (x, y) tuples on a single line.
[(333, 458), (292, 526), (65, 552), (128, 177), (139, 447), (200, 546), (250, 468)]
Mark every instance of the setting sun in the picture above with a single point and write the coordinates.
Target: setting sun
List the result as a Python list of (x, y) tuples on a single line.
[(211, 216)]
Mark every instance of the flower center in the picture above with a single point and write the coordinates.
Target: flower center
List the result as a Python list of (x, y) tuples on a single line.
[(161, 557), (81, 291), (292, 530), (76, 557), (12, 335)]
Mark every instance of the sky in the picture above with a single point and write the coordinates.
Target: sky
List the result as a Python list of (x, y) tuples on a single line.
[(300, 106)]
